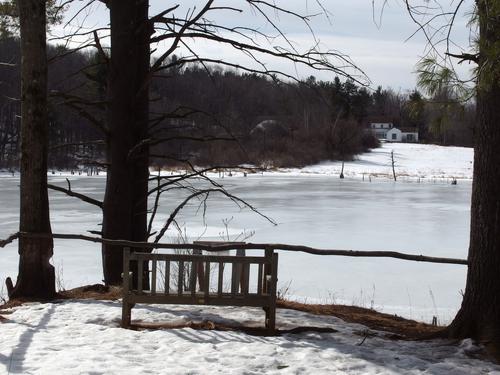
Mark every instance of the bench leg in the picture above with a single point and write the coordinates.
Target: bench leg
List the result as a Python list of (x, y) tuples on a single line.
[(270, 318), (126, 314)]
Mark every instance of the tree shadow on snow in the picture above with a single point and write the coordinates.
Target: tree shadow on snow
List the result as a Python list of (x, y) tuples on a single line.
[(354, 344), (14, 362), (358, 345)]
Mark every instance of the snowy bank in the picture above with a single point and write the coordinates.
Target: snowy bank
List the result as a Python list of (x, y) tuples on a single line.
[(412, 161), (415, 161), (83, 337)]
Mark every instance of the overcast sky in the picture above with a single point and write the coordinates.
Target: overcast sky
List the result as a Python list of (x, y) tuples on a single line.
[(375, 40)]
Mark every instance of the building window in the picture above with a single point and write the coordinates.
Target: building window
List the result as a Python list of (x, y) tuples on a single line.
[(394, 136)]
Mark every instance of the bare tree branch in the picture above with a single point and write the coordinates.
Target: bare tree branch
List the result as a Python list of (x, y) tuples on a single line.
[(80, 196), (9, 239), (206, 193)]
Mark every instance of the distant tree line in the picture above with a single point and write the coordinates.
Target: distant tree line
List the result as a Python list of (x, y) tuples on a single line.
[(214, 116), (73, 140)]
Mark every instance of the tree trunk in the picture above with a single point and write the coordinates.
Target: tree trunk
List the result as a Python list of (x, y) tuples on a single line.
[(125, 201), (479, 315), (36, 278)]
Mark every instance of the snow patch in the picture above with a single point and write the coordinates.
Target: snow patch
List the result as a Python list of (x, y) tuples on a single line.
[(83, 337)]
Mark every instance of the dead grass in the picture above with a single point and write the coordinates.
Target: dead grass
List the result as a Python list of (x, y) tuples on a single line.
[(96, 291), (399, 327), (13, 303)]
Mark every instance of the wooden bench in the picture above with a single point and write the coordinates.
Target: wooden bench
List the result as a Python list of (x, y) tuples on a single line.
[(185, 279)]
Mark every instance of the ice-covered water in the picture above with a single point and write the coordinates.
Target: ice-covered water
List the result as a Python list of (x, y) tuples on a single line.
[(319, 211)]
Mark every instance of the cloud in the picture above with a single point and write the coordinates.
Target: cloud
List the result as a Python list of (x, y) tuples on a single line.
[(372, 37)]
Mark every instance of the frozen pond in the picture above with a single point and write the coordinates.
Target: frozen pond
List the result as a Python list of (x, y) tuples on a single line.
[(318, 211)]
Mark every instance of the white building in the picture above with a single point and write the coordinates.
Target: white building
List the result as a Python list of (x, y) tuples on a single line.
[(380, 129), (385, 131), (402, 135), (394, 135)]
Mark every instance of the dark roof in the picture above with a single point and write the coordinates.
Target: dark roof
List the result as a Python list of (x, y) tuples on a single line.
[(409, 130)]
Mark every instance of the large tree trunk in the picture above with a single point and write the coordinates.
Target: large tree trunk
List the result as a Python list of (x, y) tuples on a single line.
[(36, 277), (479, 316), (125, 201)]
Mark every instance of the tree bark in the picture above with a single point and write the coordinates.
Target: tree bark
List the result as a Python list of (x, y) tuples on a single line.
[(125, 201), (479, 315), (36, 278)]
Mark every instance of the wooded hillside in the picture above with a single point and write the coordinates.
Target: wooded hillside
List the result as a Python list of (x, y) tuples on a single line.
[(211, 116)]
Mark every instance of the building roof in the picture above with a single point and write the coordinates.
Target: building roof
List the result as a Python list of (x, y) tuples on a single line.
[(409, 130)]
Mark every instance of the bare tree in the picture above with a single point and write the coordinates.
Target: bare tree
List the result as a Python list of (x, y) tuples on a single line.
[(125, 200), (125, 204), (36, 276), (478, 317)]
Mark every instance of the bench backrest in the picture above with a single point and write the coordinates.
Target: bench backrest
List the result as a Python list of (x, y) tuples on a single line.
[(201, 279)]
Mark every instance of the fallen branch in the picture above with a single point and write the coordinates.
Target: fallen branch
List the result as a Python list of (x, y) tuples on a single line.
[(224, 246)]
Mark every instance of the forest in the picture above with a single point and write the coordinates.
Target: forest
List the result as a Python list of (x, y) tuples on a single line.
[(213, 116)]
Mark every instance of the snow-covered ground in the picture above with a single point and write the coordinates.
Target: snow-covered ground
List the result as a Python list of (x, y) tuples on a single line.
[(83, 337), (412, 161)]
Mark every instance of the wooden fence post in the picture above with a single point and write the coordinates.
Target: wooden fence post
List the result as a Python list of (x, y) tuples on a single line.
[(200, 272), (272, 292), (267, 288), (126, 306)]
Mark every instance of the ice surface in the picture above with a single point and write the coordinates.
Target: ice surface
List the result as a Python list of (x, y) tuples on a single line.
[(318, 210)]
